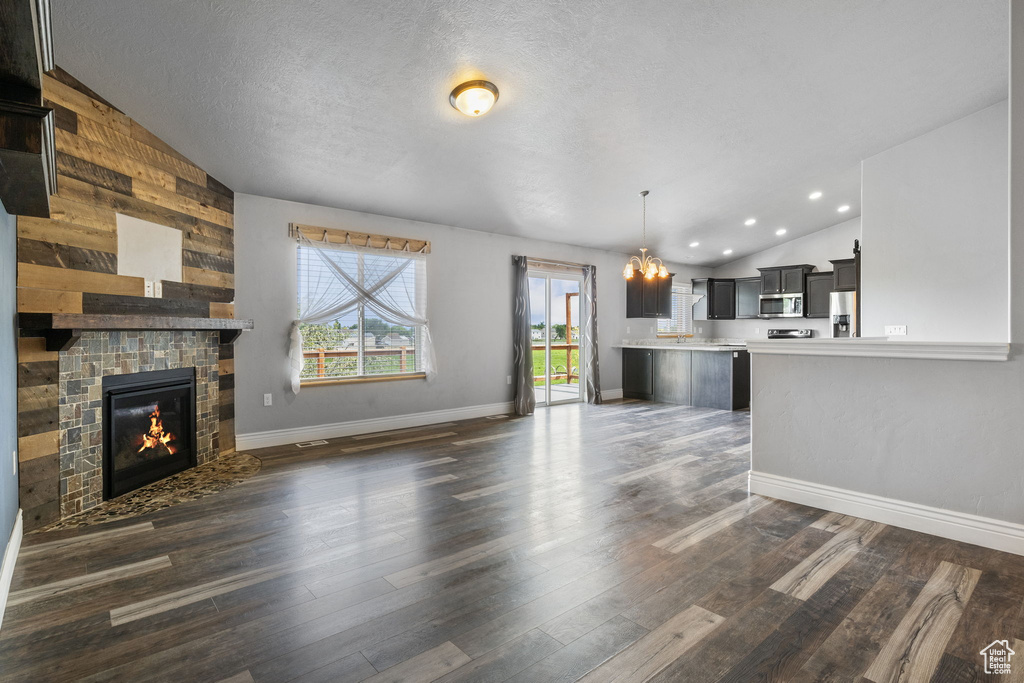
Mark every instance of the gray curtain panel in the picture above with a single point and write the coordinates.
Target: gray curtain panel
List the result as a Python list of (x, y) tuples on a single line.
[(589, 328), (522, 342)]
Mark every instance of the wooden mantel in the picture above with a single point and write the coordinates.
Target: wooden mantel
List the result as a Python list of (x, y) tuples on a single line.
[(61, 330)]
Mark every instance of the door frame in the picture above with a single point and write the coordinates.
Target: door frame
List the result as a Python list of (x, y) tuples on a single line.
[(548, 276)]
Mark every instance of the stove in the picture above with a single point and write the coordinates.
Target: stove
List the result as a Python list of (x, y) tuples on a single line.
[(790, 334)]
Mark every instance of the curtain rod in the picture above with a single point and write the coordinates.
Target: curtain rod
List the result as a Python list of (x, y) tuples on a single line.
[(552, 262)]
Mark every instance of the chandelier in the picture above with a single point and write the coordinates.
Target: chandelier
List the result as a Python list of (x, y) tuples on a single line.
[(649, 266)]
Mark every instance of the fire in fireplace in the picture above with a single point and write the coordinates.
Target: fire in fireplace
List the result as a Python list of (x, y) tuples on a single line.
[(149, 427)]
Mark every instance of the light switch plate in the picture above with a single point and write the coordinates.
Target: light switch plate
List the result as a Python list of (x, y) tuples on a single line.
[(895, 330), (158, 289), (508, 379), (268, 399), (149, 288)]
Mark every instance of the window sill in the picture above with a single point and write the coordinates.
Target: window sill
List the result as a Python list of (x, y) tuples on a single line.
[(360, 380)]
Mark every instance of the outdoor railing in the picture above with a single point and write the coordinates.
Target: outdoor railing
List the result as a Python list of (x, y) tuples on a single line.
[(572, 373), (404, 354)]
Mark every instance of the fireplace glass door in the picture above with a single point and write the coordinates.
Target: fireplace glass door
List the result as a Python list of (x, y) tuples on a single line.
[(148, 426)]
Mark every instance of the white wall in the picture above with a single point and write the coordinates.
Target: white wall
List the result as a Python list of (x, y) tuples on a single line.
[(934, 215), (469, 276), (817, 249)]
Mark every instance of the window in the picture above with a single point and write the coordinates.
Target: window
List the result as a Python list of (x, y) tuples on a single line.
[(358, 340), (681, 321)]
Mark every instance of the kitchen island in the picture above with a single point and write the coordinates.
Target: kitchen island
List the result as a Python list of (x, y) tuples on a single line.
[(695, 374)]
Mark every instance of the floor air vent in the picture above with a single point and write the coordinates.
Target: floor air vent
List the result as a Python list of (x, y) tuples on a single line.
[(307, 444)]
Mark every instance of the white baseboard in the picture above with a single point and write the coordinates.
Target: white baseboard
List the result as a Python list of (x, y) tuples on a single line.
[(280, 437), (611, 394), (7, 570), (959, 526)]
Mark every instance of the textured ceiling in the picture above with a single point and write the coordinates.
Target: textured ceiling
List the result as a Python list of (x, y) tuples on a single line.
[(724, 109)]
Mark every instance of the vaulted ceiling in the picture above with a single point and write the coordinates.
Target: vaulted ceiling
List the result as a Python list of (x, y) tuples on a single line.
[(723, 109)]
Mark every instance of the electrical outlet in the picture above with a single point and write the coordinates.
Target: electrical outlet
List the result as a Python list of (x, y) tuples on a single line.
[(148, 288), (158, 289), (895, 330), (508, 380), (757, 330), (268, 399), (652, 329), (700, 330), (627, 329)]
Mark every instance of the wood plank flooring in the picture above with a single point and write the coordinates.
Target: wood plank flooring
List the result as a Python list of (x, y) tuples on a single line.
[(594, 543)]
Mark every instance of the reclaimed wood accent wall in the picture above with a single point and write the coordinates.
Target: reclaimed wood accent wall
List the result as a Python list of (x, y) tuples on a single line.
[(109, 164)]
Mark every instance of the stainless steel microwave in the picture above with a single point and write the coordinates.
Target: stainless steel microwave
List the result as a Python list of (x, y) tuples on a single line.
[(782, 306)]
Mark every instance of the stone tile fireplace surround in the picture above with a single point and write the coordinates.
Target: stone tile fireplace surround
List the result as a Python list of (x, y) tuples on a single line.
[(98, 353)]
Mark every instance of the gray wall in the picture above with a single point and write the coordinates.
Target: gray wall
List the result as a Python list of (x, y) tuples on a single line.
[(934, 215), (818, 248), (8, 375), (947, 434), (469, 283)]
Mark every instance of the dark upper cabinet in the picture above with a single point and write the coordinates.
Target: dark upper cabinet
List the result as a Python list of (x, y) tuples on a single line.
[(771, 280), (638, 373), (845, 275), (792, 280), (748, 290), (722, 305), (817, 289), (719, 302), (784, 279), (649, 298)]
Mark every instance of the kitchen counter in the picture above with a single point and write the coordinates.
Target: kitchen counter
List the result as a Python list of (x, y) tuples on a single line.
[(687, 374), (672, 346)]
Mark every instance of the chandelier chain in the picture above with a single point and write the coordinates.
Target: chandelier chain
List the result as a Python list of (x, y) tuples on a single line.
[(645, 219)]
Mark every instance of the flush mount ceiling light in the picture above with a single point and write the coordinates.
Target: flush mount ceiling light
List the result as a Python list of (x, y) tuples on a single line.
[(474, 98), (844, 208), (814, 195), (780, 231), (749, 222), (649, 266), (694, 244), (727, 252)]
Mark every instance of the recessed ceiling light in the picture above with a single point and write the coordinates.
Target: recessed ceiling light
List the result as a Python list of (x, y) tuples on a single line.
[(780, 231), (474, 98), (727, 252), (694, 244), (750, 221), (844, 208), (814, 195)]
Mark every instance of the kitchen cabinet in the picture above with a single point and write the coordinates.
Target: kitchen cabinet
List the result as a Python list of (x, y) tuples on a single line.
[(672, 376), (748, 302), (719, 301), (784, 279), (720, 379), (638, 373), (845, 275), (707, 379), (817, 289), (649, 298)]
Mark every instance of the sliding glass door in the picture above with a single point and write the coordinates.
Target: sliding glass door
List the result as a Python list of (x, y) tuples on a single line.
[(555, 311)]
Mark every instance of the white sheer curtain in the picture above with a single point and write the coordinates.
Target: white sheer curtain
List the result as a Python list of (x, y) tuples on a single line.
[(391, 284)]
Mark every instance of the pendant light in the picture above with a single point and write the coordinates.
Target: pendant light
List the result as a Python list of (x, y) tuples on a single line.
[(649, 266)]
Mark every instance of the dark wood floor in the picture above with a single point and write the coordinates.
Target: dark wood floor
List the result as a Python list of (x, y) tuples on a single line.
[(595, 543)]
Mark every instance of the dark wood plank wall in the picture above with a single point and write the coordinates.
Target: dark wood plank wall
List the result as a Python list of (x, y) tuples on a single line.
[(109, 164)]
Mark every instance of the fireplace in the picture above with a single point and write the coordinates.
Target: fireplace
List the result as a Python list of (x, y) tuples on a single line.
[(149, 427)]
